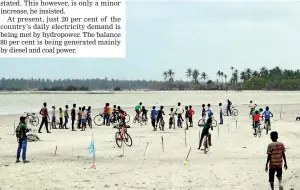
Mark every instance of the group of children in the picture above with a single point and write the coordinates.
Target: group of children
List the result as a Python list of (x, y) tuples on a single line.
[(157, 117), (83, 117), (258, 115)]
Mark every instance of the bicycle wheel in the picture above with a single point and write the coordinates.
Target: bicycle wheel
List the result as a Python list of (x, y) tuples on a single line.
[(35, 121), (90, 123), (214, 123), (99, 120), (259, 131), (235, 112), (201, 123), (162, 123), (128, 139), (118, 139), (206, 146), (127, 118)]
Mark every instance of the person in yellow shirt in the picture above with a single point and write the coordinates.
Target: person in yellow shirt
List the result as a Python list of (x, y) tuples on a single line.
[(109, 111), (61, 116)]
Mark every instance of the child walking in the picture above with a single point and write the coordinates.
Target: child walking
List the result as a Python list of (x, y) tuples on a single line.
[(276, 155), (203, 112), (66, 114), (172, 118), (186, 117), (153, 117), (221, 114), (191, 112), (61, 116), (79, 114), (160, 118)]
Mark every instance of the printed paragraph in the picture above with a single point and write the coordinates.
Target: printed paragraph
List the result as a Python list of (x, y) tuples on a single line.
[(62, 28)]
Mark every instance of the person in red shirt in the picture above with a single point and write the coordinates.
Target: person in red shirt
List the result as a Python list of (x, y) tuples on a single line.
[(191, 112), (44, 113), (106, 115), (256, 119)]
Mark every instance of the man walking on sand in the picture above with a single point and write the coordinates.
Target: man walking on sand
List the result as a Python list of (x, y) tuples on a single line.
[(44, 113), (276, 152), (73, 116)]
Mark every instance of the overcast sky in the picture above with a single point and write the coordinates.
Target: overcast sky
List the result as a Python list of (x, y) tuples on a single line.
[(209, 36)]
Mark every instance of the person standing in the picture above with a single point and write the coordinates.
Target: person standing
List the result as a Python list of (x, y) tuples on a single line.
[(191, 112), (53, 121), (84, 118), (179, 111), (22, 140), (106, 116), (44, 113), (276, 152), (79, 114), (61, 116), (228, 110), (221, 113), (153, 117), (66, 114), (73, 116)]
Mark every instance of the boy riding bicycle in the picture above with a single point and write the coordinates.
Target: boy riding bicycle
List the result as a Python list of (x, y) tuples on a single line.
[(137, 109), (205, 132), (267, 114)]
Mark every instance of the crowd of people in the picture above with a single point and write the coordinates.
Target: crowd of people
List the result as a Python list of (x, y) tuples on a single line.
[(275, 150)]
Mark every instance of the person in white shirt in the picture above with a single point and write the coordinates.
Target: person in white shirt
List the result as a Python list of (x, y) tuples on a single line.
[(84, 118), (221, 114), (209, 111), (179, 111), (252, 107), (172, 118), (53, 121)]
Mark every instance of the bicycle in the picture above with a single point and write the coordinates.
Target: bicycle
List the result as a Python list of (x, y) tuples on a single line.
[(137, 118), (32, 119), (161, 123), (206, 144), (234, 111), (99, 119), (122, 136), (144, 120), (50, 123), (267, 126), (258, 130), (201, 122)]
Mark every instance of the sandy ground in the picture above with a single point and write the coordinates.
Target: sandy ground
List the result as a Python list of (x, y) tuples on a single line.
[(235, 161)]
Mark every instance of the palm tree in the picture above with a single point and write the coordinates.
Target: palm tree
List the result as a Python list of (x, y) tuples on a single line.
[(219, 74), (263, 71), (222, 76), (248, 73), (188, 73), (204, 76), (195, 75), (165, 74), (243, 76), (225, 77), (232, 69), (171, 74)]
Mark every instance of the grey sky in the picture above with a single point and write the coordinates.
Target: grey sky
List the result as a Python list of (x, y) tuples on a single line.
[(209, 36)]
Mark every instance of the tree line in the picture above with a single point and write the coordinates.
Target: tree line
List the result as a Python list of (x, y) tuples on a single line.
[(262, 79)]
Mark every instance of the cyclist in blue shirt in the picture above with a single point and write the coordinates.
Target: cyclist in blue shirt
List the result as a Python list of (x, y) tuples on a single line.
[(267, 114)]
